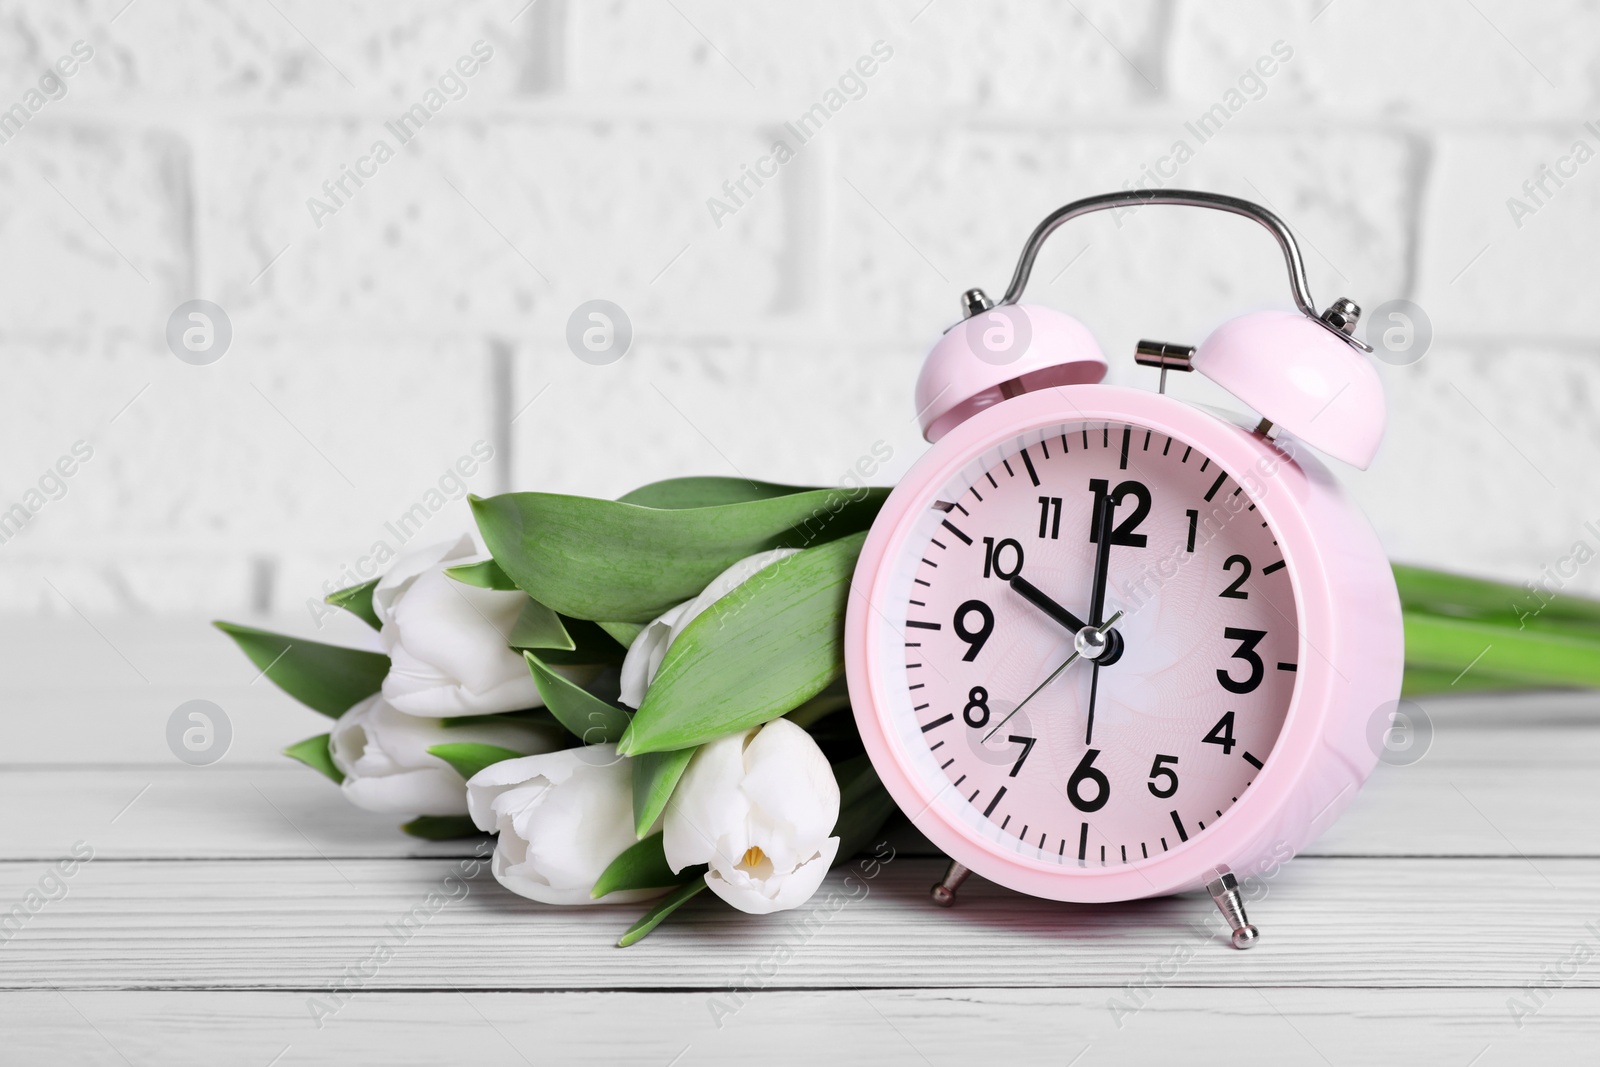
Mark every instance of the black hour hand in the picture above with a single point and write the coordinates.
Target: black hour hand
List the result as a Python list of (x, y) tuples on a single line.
[(1036, 596)]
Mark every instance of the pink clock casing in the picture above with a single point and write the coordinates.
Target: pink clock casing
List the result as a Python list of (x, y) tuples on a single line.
[(1350, 647)]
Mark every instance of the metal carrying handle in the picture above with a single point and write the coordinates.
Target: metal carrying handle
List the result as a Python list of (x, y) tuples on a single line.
[(1339, 318)]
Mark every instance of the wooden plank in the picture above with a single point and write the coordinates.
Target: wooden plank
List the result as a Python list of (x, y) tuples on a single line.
[(293, 924), (957, 1026), (1492, 785)]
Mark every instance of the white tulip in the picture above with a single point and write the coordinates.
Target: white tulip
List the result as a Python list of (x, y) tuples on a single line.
[(562, 818), (447, 640), (383, 754), (759, 807), (645, 654)]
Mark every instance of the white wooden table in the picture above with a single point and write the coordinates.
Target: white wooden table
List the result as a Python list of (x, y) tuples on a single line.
[(223, 902)]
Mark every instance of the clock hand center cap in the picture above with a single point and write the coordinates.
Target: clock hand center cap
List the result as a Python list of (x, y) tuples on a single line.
[(1102, 647)]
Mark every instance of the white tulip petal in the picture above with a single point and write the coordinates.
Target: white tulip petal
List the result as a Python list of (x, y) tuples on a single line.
[(429, 791), (409, 565), (562, 818), (645, 654), (759, 807), (384, 756), (707, 813), (778, 892)]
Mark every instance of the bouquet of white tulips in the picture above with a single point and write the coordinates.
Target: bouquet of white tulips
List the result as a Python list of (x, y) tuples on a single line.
[(641, 698)]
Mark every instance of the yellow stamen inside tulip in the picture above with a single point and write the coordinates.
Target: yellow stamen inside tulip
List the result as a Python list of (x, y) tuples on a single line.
[(753, 857)]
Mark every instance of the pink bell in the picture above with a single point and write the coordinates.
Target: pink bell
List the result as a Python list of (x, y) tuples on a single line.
[(1001, 352), (1301, 371), (1301, 376)]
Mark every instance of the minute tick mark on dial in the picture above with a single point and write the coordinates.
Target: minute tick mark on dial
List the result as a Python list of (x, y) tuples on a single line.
[(1272, 567), (947, 524), (1183, 834), (1252, 761), (919, 624), (1288, 666), (1028, 463), (1083, 841), (947, 763), (1215, 486), (994, 803), (992, 482), (1127, 436), (942, 505)]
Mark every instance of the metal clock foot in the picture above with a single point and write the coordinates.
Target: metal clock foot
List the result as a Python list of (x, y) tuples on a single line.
[(944, 893), (1224, 890)]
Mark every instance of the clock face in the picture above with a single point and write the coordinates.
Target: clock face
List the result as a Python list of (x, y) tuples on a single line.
[(1110, 760)]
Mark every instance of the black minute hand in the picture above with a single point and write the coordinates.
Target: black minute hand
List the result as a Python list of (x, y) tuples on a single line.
[(1097, 601), (1037, 597)]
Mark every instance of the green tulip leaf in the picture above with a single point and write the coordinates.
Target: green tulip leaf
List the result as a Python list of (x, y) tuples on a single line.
[(678, 493), (441, 827), (470, 757), (591, 644), (587, 717), (326, 678), (539, 627), (1442, 593), (485, 574), (642, 865), (664, 907), (313, 752), (1425, 681), (655, 776), (1536, 658), (605, 559), (864, 806), (623, 633), (764, 649), (357, 600), (834, 698)]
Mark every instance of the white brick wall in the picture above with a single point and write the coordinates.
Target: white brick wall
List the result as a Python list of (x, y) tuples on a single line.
[(430, 310)]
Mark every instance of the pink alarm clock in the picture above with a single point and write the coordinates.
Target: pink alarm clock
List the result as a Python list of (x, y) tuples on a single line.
[(1103, 644)]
